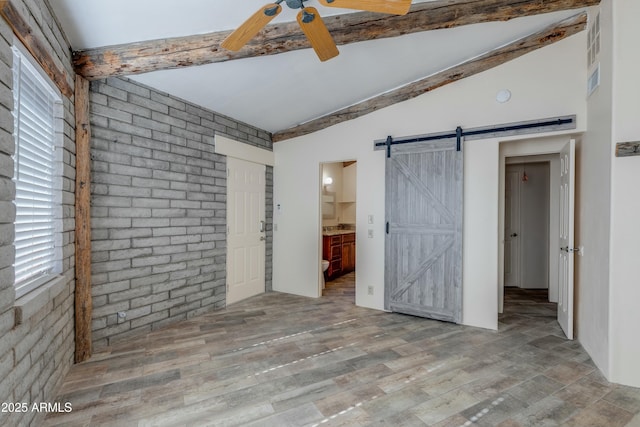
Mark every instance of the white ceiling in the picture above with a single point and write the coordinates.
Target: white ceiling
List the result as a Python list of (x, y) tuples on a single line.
[(279, 91)]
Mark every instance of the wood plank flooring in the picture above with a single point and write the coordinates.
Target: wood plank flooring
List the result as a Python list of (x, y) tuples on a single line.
[(283, 360)]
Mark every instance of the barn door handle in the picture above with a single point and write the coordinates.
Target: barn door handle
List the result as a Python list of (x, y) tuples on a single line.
[(387, 227)]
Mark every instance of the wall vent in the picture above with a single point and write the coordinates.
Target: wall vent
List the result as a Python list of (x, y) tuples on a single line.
[(593, 40)]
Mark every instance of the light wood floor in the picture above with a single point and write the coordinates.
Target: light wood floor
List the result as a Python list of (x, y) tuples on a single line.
[(282, 360)]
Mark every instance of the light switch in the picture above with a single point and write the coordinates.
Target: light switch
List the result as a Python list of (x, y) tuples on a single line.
[(370, 219), (370, 233)]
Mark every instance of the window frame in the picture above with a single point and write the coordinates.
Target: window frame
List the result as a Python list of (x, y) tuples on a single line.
[(24, 62)]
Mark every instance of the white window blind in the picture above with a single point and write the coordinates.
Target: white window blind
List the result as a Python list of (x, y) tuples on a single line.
[(35, 175)]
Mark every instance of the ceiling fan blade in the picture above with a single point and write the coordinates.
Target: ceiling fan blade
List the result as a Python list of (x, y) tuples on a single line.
[(395, 7), (251, 27), (313, 27)]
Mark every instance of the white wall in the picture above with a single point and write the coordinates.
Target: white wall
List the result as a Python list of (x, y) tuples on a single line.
[(545, 83), (593, 194), (625, 199)]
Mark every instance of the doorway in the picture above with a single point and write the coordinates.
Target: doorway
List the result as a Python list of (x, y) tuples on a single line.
[(520, 268), (527, 225), (338, 182)]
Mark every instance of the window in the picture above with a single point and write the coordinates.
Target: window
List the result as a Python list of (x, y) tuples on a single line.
[(37, 114)]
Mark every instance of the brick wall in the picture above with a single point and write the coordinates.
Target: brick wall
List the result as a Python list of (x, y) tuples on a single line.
[(36, 353), (158, 208)]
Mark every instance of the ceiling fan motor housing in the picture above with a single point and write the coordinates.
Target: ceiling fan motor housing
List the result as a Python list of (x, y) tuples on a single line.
[(295, 4)]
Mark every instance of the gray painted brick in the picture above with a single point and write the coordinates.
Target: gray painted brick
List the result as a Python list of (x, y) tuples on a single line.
[(130, 212), (168, 120), (7, 189), (164, 192), (150, 261), (129, 294), (130, 170), (127, 233), (152, 124), (171, 195), (168, 100), (7, 144), (129, 191), (125, 274), (110, 113), (110, 135), (122, 105), (153, 222), (148, 103), (151, 203), (129, 254), (225, 121), (27, 375), (150, 242), (129, 86), (152, 279), (150, 163)]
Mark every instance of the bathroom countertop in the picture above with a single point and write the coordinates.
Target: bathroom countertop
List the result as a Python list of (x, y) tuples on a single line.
[(337, 232)]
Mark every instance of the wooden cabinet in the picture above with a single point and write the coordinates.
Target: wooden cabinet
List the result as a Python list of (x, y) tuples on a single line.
[(348, 252), (340, 251)]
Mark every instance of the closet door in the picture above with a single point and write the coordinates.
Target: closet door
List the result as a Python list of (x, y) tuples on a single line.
[(423, 259)]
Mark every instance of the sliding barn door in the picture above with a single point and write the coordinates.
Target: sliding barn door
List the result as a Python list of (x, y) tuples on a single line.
[(423, 260)]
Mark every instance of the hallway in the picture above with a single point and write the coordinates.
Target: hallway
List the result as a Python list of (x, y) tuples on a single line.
[(284, 360)]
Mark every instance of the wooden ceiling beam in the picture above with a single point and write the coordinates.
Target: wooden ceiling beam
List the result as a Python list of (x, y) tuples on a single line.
[(155, 55), (494, 58)]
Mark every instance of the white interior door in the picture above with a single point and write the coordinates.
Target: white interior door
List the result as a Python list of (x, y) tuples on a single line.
[(512, 227), (567, 195), (245, 229)]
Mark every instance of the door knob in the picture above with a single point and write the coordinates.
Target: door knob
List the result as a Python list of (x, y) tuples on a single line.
[(514, 234), (262, 238)]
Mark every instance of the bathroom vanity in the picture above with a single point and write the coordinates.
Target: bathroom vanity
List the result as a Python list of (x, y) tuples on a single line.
[(339, 248)]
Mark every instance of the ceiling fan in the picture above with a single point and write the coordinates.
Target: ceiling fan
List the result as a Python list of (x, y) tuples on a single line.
[(310, 21)]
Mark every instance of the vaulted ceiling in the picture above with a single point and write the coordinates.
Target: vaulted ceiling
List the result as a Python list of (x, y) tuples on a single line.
[(280, 91)]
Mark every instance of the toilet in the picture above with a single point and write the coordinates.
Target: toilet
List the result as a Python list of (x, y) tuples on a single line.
[(325, 266)]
